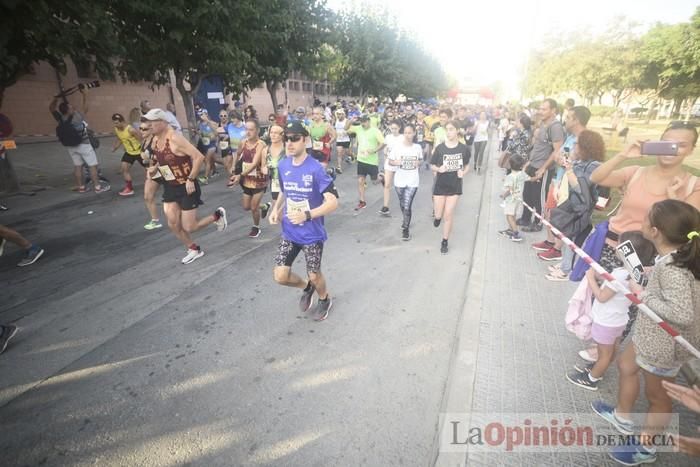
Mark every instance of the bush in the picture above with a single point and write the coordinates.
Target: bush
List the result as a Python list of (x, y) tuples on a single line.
[(602, 110)]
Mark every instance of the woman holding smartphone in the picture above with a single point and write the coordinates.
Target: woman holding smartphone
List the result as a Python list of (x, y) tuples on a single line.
[(643, 186)]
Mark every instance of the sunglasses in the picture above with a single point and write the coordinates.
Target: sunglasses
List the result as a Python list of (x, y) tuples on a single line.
[(223, 116), (144, 128), (293, 138)]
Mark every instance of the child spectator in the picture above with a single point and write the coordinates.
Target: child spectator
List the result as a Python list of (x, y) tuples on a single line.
[(674, 294), (609, 314), (513, 197)]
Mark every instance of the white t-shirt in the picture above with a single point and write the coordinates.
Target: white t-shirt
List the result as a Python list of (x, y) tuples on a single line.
[(391, 142), (612, 313), (341, 133), (482, 131), (407, 173)]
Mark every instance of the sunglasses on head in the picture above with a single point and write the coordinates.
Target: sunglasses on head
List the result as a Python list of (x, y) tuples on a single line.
[(682, 124), (293, 138)]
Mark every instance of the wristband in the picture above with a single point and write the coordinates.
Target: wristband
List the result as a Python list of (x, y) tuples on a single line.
[(190, 179), (308, 215)]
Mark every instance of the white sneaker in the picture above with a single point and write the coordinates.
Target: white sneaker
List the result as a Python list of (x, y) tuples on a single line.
[(222, 223), (192, 255)]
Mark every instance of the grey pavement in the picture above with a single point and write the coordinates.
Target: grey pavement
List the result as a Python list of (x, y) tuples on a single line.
[(127, 357)]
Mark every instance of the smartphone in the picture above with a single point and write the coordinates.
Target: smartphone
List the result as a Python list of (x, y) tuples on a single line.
[(660, 148)]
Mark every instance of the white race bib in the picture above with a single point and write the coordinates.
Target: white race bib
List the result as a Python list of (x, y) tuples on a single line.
[(409, 163), (452, 162), (246, 166), (301, 206), (276, 185), (318, 145), (223, 145), (166, 172), (205, 140)]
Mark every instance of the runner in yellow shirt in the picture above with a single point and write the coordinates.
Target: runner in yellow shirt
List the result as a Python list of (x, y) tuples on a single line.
[(128, 137)]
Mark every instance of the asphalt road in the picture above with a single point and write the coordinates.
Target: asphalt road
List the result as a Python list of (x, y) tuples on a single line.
[(128, 357)]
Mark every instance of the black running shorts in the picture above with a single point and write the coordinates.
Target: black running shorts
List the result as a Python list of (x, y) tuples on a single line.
[(364, 170), (178, 194)]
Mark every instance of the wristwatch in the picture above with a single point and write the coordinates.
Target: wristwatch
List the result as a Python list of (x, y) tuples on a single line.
[(190, 179), (308, 215)]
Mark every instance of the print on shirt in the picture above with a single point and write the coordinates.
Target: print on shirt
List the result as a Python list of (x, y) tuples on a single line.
[(452, 162)]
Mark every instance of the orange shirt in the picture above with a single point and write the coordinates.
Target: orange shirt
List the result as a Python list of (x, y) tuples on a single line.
[(637, 201)]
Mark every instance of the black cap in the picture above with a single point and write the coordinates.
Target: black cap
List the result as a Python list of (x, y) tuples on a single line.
[(296, 128), (364, 118)]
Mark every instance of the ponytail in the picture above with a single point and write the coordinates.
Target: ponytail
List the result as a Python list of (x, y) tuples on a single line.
[(688, 255), (679, 223)]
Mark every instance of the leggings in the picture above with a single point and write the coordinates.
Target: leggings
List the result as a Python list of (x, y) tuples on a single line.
[(406, 195), (479, 148)]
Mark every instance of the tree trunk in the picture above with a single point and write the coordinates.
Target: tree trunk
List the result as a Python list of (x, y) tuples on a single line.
[(272, 89), (677, 102), (652, 110), (9, 183), (692, 102), (188, 101)]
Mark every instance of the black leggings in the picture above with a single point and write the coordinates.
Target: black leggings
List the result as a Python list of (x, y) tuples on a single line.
[(479, 148), (406, 195)]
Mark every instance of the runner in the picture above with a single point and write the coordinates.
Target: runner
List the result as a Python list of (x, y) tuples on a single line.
[(342, 141), (428, 137), (249, 174), (274, 154), (32, 252), (406, 156), (178, 163), (481, 137), (369, 142), (421, 132), (130, 138), (236, 135), (393, 139), (224, 140), (450, 163), (438, 129), (151, 183), (322, 137), (310, 195), (207, 130)]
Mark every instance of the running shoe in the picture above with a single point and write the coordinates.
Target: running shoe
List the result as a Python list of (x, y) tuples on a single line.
[(550, 255), (443, 247), (505, 233), (220, 219), (516, 237), (557, 276), (322, 308), (607, 413), (254, 232), (582, 380), (192, 254), (384, 211), (405, 235), (348, 159), (153, 224), (534, 227), (542, 246), (82, 189), (7, 332), (33, 254), (436, 222), (264, 209), (360, 205), (2, 245), (126, 191), (307, 297), (554, 268), (203, 180), (102, 188), (338, 170), (632, 454)]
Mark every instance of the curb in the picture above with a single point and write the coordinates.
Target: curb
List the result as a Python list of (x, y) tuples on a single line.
[(459, 387)]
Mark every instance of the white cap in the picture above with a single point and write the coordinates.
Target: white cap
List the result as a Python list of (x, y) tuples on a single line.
[(155, 114)]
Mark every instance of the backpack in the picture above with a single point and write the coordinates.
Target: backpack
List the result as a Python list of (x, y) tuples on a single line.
[(574, 215), (67, 134)]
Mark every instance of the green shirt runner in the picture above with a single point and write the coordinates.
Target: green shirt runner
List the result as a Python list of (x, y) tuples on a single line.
[(367, 140)]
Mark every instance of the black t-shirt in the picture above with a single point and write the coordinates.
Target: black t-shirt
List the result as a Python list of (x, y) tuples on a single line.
[(453, 159)]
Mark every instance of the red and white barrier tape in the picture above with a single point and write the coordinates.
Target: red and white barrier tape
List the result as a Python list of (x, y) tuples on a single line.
[(620, 287)]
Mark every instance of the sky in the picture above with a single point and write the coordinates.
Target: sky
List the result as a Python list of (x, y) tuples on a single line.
[(485, 41)]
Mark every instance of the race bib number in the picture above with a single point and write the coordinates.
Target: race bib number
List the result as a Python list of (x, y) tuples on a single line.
[(206, 140), (166, 172), (452, 162), (246, 166), (223, 145), (318, 145), (409, 163), (301, 206), (419, 138), (275, 185)]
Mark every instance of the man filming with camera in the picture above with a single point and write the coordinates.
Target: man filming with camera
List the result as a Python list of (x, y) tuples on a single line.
[(72, 133)]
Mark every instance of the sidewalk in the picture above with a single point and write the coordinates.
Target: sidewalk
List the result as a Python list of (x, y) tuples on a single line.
[(524, 350)]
